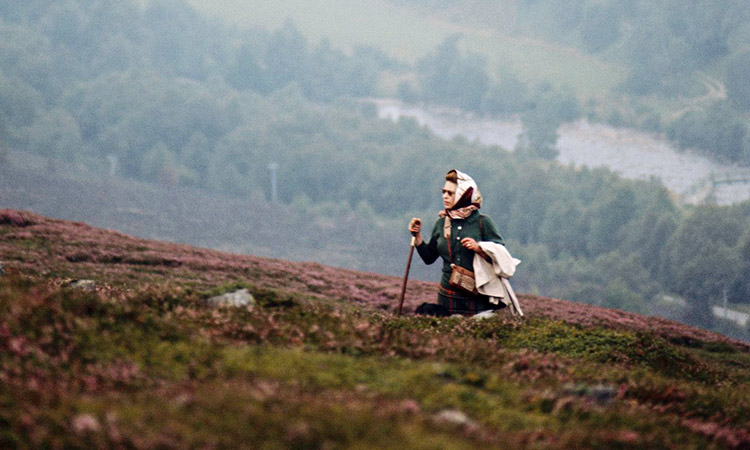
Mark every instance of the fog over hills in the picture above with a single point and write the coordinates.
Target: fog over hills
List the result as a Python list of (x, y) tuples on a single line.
[(162, 118), (204, 209)]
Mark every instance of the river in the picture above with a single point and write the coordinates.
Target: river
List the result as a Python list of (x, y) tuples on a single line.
[(630, 153)]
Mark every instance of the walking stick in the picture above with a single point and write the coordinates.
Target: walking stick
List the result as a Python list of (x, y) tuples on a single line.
[(406, 273)]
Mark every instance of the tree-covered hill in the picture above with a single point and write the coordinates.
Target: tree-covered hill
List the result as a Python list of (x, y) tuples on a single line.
[(671, 67), (137, 358)]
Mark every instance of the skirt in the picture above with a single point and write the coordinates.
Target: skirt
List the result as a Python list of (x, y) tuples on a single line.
[(463, 303)]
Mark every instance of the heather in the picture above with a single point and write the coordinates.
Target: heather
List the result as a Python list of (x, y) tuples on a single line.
[(140, 360)]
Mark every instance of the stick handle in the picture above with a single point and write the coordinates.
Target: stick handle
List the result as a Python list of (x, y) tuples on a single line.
[(406, 275)]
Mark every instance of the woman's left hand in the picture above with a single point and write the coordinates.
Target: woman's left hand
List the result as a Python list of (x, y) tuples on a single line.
[(473, 245), (470, 244)]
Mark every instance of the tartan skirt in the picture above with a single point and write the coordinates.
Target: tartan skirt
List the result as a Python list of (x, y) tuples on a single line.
[(464, 303)]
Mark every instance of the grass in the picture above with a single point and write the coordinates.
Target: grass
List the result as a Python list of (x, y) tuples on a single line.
[(119, 363), (142, 361), (536, 62), (409, 35), (402, 34)]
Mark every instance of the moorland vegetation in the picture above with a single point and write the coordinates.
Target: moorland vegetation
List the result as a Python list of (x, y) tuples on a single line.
[(137, 358)]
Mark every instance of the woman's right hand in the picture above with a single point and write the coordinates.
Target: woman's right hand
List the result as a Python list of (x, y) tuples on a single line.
[(415, 228)]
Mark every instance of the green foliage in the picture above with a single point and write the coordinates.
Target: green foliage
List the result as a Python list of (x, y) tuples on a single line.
[(738, 84), (507, 96), (739, 291), (450, 78), (602, 345), (286, 55), (56, 135), (19, 103), (664, 46), (610, 212), (600, 25), (702, 257), (539, 136), (718, 128), (548, 109), (455, 78)]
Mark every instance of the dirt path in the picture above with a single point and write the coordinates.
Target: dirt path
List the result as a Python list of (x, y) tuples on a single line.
[(715, 91)]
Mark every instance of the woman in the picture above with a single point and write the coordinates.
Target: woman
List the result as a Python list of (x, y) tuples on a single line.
[(455, 237)]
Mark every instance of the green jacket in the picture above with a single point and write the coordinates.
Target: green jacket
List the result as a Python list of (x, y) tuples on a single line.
[(435, 246)]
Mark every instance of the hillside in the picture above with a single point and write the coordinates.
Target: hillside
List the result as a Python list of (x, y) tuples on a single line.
[(196, 111), (675, 68), (140, 360), (409, 33), (200, 218)]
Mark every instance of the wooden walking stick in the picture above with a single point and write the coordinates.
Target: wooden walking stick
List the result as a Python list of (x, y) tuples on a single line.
[(406, 273)]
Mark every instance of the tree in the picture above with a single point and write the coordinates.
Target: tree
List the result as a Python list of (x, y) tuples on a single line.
[(703, 278), (653, 52), (539, 136), (719, 129), (647, 234), (286, 56), (331, 74), (737, 80), (194, 157), (407, 92), (600, 26), (246, 71), (157, 162), (451, 78), (182, 42), (56, 135), (4, 153), (739, 290), (534, 193), (702, 259), (19, 102), (509, 95), (563, 229), (548, 109), (610, 213)]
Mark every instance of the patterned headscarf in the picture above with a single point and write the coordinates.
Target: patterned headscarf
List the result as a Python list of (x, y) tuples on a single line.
[(467, 200), (467, 192)]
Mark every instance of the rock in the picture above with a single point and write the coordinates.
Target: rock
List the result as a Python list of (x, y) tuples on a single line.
[(603, 394), (85, 285), (234, 299), (410, 407), (484, 315), (453, 417), (85, 423)]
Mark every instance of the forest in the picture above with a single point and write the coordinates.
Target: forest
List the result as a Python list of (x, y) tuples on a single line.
[(672, 51), (163, 94)]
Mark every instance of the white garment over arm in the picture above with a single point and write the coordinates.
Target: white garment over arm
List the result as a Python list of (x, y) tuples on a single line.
[(492, 277)]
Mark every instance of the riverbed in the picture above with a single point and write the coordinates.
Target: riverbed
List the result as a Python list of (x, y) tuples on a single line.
[(630, 153)]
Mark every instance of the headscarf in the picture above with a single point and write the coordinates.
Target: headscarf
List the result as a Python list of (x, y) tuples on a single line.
[(467, 200)]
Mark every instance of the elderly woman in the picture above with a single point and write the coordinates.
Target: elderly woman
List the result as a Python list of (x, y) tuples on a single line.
[(455, 237)]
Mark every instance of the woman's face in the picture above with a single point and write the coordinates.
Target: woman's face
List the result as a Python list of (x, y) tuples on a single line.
[(449, 194)]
